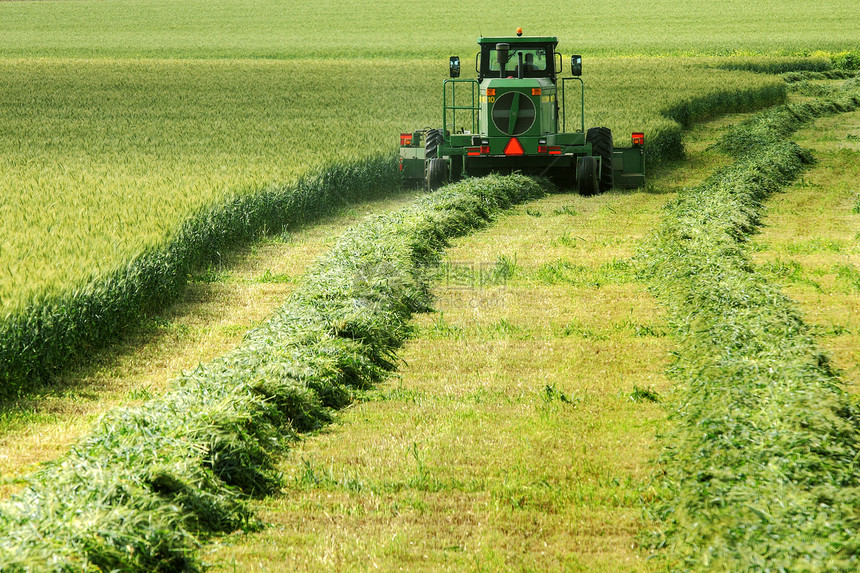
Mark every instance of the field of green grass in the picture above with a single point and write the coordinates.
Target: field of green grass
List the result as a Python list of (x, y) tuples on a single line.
[(389, 29), (102, 158), (544, 361), (119, 120)]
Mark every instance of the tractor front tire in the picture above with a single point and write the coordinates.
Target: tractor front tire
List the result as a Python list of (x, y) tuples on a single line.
[(600, 139), (586, 175), (437, 173)]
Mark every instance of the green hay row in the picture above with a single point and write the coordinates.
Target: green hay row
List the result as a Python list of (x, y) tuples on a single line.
[(759, 473), (52, 332), (667, 144), (149, 483)]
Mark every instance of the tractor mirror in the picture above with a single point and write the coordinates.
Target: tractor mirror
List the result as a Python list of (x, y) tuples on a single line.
[(455, 66), (576, 65)]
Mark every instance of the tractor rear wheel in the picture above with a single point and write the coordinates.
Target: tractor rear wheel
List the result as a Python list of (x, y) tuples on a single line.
[(586, 175), (431, 143), (600, 139), (437, 173)]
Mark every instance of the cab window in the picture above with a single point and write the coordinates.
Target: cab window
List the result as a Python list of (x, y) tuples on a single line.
[(537, 61)]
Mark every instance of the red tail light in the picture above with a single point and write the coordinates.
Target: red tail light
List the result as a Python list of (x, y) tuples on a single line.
[(550, 149), (638, 138), (405, 139)]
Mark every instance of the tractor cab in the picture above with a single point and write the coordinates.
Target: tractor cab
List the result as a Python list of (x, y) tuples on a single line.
[(517, 58)]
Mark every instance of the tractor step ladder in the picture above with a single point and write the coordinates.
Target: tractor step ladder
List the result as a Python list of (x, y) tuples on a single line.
[(474, 108)]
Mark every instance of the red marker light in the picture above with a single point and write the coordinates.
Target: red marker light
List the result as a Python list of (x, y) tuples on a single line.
[(514, 147), (405, 139), (638, 138)]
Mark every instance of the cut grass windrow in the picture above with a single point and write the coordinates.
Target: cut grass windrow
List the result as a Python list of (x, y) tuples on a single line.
[(761, 468), (56, 330), (150, 482)]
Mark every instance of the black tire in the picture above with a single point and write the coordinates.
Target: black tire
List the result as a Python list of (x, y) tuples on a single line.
[(600, 139), (586, 175), (437, 173), (431, 143)]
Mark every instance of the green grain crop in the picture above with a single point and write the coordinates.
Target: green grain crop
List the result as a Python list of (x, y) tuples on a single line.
[(102, 159), (363, 28)]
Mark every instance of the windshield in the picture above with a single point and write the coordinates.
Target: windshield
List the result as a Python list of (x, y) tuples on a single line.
[(533, 59), (537, 61)]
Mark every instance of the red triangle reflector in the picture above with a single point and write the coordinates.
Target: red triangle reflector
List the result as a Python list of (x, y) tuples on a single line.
[(514, 147)]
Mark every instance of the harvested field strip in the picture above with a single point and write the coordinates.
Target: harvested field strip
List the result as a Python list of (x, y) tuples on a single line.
[(51, 333), (760, 470), (811, 240), (141, 491), (517, 435)]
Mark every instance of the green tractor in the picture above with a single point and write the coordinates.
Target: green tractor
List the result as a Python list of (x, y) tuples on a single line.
[(510, 119)]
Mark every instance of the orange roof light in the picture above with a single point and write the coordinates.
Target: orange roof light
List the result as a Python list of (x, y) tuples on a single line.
[(519, 31)]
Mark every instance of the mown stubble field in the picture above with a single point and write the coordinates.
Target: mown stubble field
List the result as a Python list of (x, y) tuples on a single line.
[(520, 429)]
